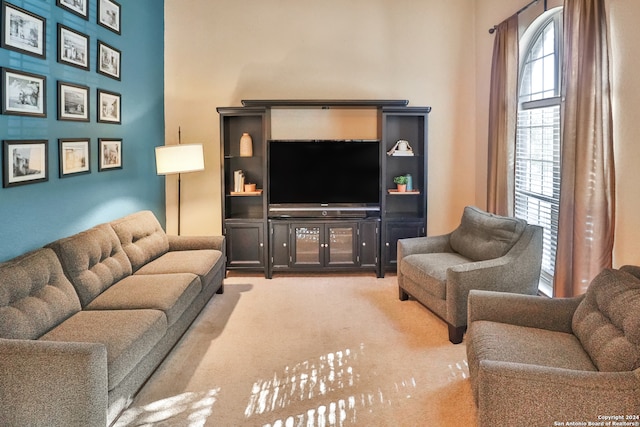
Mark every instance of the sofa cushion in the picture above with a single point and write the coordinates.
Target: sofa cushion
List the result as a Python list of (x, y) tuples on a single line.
[(607, 321), (169, 293), (203, 262), (482, 235), (128, 336), (142, 237), (430, 270), (93, 260), (35, 295)]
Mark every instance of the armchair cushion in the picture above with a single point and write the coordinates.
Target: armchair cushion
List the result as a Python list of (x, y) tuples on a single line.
[(607, 322), (482, 235), (431, 270), (531, 346)]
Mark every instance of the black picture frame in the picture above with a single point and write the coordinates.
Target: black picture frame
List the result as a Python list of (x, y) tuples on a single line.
[(16, 22), (73, 47), (77, 7), (23, 94), (109, 15), (109, 60), (73, 102), (109, 154), (75, 156), (109, 107), (25, 162)]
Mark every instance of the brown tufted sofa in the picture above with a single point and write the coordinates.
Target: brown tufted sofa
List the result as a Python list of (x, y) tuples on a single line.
[(554, 361), (85, 320)]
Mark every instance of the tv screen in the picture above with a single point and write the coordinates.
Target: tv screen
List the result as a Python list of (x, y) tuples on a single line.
[(324, 172)]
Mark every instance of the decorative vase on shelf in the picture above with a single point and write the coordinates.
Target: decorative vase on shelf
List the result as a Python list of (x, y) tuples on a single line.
[(409, 182), (246, 145)]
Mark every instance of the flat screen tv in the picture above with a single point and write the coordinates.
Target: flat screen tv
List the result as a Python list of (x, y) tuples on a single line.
[(324, 172)]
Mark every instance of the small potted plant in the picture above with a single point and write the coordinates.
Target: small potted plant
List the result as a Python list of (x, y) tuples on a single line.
[(401, 182)]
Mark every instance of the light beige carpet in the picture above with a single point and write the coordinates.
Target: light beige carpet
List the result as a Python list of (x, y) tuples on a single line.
[(310, 351)]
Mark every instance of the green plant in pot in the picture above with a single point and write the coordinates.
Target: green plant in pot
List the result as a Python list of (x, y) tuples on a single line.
[(401, 181)]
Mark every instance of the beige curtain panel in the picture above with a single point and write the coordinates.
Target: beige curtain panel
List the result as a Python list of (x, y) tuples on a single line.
[(503, 103), (587, 191)]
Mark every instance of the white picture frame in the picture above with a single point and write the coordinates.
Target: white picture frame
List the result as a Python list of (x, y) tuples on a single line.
[(109, 15), (25, 162), (75, 156), (73, 102), (109, 107), (23, 94), (73, 47), (23, 31)]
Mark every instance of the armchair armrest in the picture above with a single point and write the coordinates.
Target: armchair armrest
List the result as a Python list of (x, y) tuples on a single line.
[(518, 272), (46, 383), (520, 394), (423, 245), (532, 311), (187, 243)]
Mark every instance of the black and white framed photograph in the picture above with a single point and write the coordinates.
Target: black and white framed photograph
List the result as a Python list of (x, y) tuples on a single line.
[(23, 31), (110, 154), (109, 107), (78, 7), (108, 60), (73, 47), (109, 15), (75, 156), (24, 94), (25, 162), (73, 102)]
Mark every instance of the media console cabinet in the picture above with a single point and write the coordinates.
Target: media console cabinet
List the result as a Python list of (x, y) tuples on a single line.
[(260, 239)]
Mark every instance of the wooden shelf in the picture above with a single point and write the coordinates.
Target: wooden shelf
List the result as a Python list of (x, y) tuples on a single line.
[(395, 192), (246, 193)]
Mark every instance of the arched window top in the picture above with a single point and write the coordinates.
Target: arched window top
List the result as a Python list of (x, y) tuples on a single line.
[(540, 62)]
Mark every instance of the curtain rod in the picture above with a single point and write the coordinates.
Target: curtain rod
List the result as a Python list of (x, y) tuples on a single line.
[(522, 9)]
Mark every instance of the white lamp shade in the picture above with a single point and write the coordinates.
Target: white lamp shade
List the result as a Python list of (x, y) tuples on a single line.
[(179, 158)]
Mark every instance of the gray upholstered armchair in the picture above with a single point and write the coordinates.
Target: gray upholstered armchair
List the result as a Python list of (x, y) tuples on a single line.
[(486, 251), (543, 361)]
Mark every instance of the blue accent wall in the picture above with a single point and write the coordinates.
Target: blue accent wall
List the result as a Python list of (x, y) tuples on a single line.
[(35, 214)]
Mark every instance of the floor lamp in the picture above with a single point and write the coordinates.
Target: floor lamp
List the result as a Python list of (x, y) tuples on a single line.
[(181, 158)]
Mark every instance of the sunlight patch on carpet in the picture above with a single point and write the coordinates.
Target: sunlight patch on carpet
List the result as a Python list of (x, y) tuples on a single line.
[(193, 407), (319, 380)]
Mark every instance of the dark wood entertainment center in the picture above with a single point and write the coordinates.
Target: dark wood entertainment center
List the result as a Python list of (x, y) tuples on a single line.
[(260, 240)]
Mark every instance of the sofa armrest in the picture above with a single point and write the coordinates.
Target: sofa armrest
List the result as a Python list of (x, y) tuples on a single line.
[(188, 243), (46, 383), (520, 394), (554, 314), (423, 245)]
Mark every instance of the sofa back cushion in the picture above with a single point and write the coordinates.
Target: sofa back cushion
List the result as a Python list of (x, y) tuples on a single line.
[(142, 237), (35, 295), (93, 260), (482, 235), (607, 321)]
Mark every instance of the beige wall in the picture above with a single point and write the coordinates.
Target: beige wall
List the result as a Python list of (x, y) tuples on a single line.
[(220, 52), (431, 52), (624, 16)]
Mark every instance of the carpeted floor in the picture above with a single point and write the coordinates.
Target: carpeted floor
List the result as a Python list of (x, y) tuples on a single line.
[(310, 351)]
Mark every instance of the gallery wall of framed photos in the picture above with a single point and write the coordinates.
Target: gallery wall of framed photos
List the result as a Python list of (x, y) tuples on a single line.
[(81, 95)]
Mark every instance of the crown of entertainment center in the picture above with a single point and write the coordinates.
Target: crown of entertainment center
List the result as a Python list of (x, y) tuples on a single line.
[(308, 237)]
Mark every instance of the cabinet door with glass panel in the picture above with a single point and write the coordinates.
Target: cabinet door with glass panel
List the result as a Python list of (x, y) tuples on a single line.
[(324, 244)]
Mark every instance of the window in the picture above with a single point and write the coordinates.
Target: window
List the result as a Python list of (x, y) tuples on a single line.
[(537, 158)]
